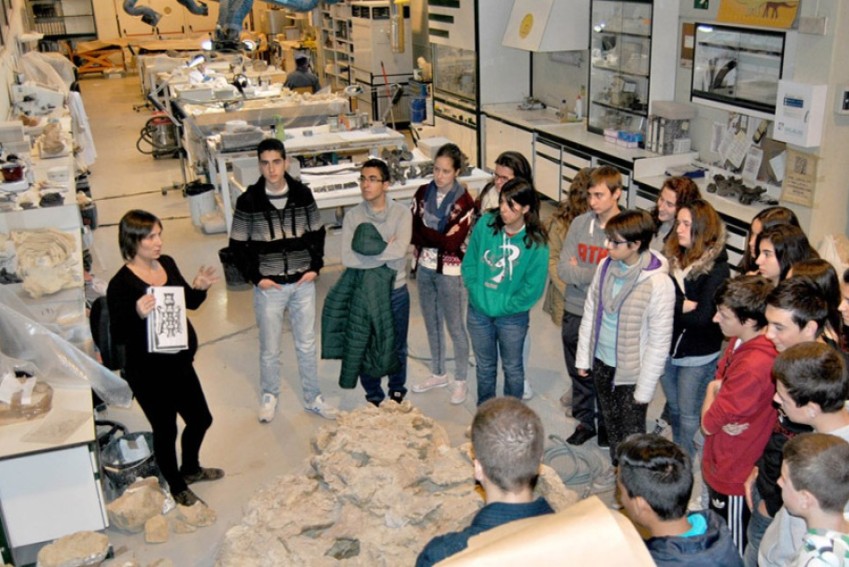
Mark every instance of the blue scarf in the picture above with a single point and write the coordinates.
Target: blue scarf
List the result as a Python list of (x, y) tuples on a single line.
[(437, 217)]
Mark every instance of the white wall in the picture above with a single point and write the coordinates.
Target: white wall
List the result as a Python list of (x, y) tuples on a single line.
[(559, 76)]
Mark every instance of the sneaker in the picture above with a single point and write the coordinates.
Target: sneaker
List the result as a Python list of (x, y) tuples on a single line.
[(186, 498), (435, 381), (267, 408), (604, 482), (322, 408), (459, 390), (527, 393), (203, 474), (397, 396)]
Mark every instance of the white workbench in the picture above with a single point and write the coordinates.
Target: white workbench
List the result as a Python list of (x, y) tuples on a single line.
[(50, 488), (321, 140)]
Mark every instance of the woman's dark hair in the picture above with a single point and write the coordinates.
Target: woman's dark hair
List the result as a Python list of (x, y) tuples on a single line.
[(824, 277), (634, 225), (576, 202), (515, 162), (521, 192), (134, 227), (451, 151), (790, 243), (686, 191), (769, 217), (706, 229)]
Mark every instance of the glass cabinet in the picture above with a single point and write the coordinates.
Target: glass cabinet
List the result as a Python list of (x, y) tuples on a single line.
[(737, 67), (620, 54)]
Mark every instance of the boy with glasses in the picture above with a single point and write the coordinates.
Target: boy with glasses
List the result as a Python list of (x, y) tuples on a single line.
[(394, 222)]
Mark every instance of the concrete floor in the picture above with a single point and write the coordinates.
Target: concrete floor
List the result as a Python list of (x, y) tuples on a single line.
[(227, 362)]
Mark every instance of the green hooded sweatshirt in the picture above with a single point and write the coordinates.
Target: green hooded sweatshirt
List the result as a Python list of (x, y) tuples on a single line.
[(503, 276)]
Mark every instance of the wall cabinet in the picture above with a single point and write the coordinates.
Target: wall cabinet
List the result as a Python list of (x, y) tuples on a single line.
[(632, 61), (737, 68), (62, 19)]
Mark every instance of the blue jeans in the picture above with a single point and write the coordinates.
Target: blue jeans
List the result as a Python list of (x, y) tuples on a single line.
[(443, 300), (685, 387), (269, 306), (492, 336), (755, 531), (400, 305)]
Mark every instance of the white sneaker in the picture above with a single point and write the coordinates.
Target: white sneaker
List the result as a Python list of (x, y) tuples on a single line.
[(527, 393), (435, 381), (267, 408), (458, 392), (322, 408)]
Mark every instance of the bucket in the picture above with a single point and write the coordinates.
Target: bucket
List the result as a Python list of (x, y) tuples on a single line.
[(232, 276), (418, 110), (201, 200)]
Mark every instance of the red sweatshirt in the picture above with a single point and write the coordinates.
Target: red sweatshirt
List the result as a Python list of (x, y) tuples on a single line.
[(745, 397)]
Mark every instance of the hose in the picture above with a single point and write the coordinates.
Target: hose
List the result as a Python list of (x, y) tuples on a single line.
[(583, 466)]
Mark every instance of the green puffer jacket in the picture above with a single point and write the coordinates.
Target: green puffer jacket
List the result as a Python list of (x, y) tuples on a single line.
[(356, 320)]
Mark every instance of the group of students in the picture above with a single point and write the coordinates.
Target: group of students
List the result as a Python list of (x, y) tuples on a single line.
[(646, 299), (654, 304)]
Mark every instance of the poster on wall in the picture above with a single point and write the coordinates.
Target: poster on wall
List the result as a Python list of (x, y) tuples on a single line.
[(800, 178), (763, 13)]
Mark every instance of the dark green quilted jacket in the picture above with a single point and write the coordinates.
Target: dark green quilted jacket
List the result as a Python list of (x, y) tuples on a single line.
[(356, 320)]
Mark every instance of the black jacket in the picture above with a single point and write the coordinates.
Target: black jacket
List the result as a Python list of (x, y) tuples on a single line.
[(695, 333), (714, 548), (281, 245)]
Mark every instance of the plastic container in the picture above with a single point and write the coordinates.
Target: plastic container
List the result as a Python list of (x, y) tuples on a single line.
[(232, 276), (201, 200), (418, 110)]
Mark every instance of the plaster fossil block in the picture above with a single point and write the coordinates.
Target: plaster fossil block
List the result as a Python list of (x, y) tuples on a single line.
[(75, 550), (156, 529), (137, 505), (380, 482)]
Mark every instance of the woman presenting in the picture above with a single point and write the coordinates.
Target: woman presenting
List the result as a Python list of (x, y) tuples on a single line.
[(165, 385)]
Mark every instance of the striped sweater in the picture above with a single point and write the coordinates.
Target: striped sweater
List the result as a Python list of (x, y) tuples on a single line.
[(282, 244)]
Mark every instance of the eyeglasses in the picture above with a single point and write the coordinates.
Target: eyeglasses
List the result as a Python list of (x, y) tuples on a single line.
[(615, 243), (370, 179)]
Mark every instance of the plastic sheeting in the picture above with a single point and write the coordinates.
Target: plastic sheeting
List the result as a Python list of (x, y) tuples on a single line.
[(57, 361), (52, 70)]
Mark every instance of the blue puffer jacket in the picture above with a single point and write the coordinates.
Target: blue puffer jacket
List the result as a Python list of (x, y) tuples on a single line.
[(714, 548), (356, 320)]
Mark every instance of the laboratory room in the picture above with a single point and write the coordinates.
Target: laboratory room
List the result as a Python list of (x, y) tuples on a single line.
[(419, 282)]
